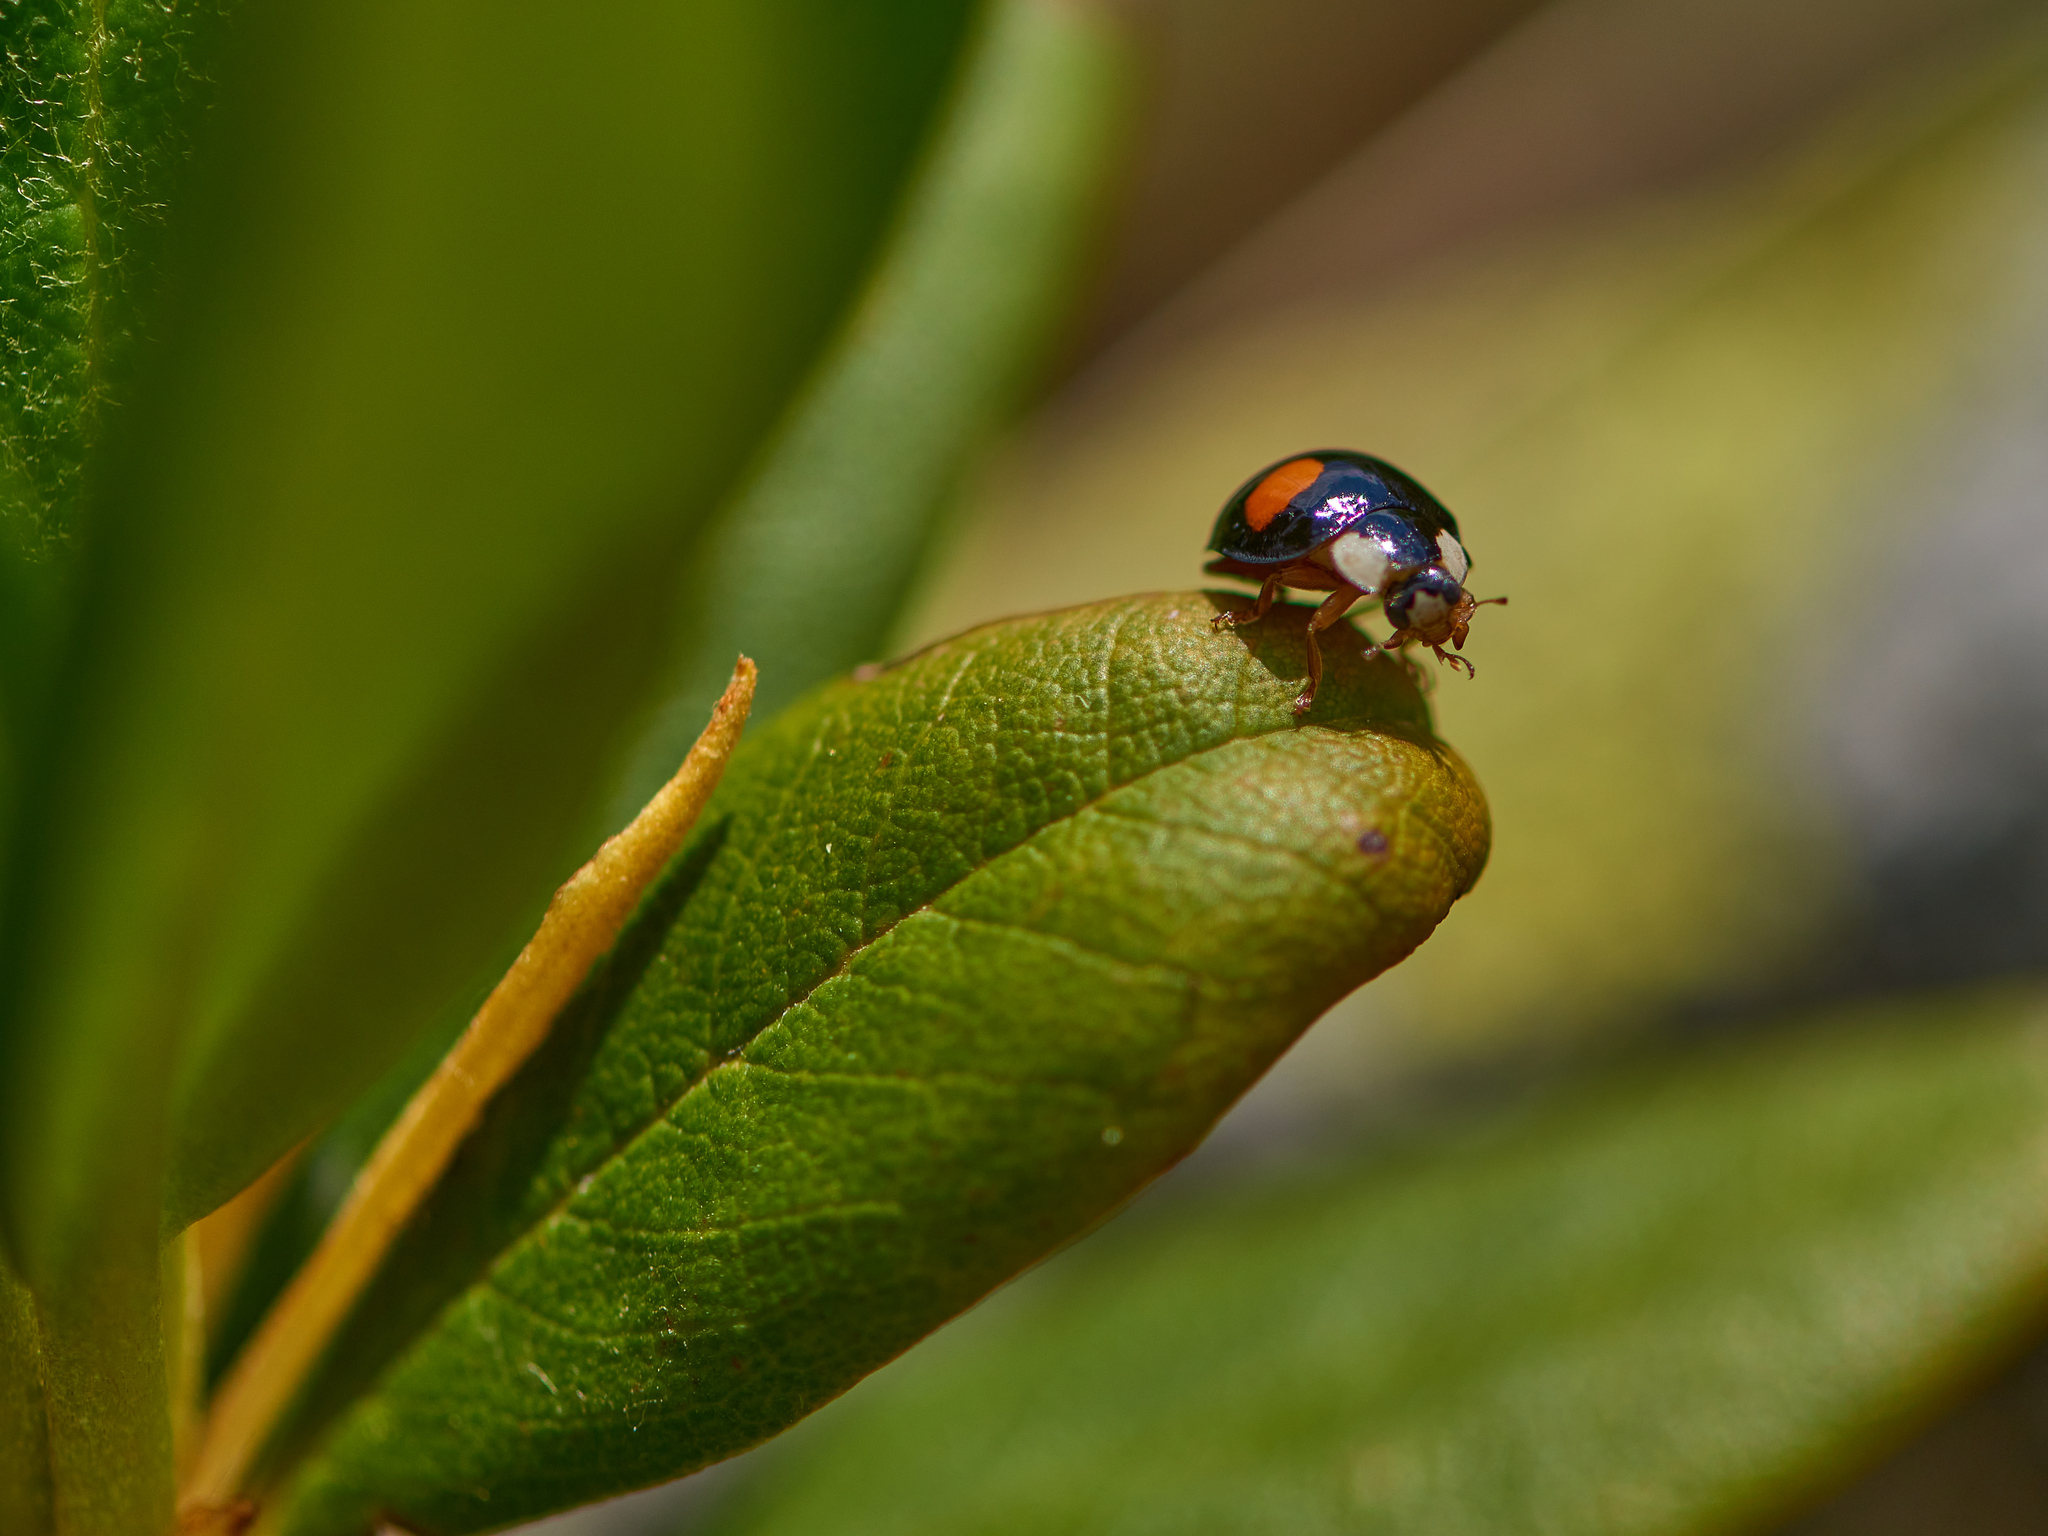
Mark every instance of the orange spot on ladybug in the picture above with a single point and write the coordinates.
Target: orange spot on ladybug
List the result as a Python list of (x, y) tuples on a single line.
[(1270, 496)]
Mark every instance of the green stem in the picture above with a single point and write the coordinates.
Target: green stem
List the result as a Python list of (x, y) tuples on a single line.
[(24, 1438), (108, 1398)]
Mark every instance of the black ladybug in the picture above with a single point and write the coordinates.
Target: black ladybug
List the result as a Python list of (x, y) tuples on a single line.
[(1356, 527)]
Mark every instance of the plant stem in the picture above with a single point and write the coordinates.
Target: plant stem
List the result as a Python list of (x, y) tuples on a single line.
[(107, 1396), (24, 1432), (581, 924)]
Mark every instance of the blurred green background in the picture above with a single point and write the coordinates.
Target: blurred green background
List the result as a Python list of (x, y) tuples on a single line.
[(1724, 329), (1690, 1179)]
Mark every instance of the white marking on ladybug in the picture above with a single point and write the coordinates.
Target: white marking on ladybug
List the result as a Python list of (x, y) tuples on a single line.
[(1452, 554), (1360, 561)]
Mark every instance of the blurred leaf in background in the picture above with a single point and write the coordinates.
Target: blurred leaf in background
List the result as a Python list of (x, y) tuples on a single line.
[(807, 568), (1674, 1302), (1684, 437)]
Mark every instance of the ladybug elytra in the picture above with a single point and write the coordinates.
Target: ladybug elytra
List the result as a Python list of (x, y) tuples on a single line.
[(1358, 528)]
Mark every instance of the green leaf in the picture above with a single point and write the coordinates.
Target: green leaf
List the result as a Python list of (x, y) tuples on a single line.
[(959, 958), (481, 313), (102, 104), (30, 602), (805, 571), (1680, 1302)]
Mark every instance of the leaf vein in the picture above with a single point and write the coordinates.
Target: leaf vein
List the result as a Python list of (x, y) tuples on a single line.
[(661, 1117), (929, 1081)]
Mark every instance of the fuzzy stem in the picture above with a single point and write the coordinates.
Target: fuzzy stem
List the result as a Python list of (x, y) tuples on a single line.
[(24, 1420), (107, 1397)]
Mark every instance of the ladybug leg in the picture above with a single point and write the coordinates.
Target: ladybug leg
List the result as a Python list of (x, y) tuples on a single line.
[(1395, 648), (1329, 613), (1266, 595)]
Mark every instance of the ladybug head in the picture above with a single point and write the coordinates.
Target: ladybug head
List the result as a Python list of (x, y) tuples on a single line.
[(1431, 607)]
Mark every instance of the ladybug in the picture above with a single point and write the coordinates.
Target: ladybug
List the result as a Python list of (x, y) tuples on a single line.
[(1356, 527)]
